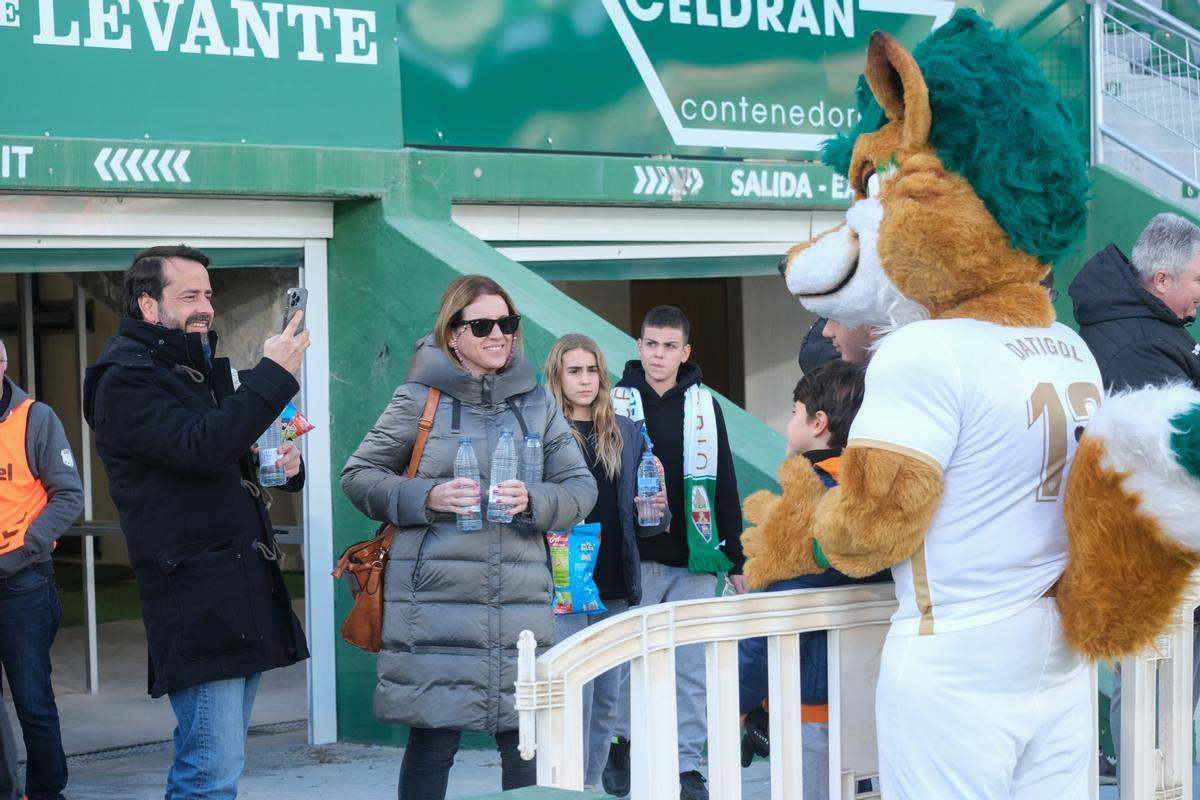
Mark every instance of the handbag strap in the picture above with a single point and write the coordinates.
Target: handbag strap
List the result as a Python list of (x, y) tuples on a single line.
[(423, 429), (383, 537)]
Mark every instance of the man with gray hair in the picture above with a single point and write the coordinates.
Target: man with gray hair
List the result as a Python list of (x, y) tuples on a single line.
[(1133, 317)]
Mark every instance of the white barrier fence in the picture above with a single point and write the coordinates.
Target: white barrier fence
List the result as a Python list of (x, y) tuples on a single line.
[(1156, 736)]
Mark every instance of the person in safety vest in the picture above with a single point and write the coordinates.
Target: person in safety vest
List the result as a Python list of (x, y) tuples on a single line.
[(40, 497)]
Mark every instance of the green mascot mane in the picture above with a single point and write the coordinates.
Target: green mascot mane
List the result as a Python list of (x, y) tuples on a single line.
[(996, 122)]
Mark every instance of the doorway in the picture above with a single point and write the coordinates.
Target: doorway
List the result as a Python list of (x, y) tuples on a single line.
[(60, 264)]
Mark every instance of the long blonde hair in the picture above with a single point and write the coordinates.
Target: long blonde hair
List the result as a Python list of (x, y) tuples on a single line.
[(606, 436), (458, 295)]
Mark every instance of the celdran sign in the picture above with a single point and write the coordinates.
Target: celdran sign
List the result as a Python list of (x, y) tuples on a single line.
[(720, 115)]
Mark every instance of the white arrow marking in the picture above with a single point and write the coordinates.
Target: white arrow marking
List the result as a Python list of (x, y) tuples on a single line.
[(665, 178), (641, 180), (115, 164), (99, 164), (164, 165), (652, 181), (698, 181), (132, 165), (148, 166), (179, 170)]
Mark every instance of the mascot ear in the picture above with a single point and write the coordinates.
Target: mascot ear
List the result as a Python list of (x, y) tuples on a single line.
[(897, 83)]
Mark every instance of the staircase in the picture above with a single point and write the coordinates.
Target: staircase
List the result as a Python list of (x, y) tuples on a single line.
[(1145, 97)]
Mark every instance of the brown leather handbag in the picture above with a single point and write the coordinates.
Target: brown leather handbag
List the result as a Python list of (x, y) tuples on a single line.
[(364, 563)]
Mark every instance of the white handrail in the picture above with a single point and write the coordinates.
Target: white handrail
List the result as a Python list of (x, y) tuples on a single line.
[(1157, 712), (549, 686)]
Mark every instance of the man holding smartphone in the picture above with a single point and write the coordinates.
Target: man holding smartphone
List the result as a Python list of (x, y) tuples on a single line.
[(175, 437)]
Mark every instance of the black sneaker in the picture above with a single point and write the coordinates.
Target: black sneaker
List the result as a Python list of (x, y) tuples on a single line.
[(691, 786), (757, 740), (615, 779)]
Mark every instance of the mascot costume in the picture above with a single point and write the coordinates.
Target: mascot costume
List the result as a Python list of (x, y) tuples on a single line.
[(1020, 544)]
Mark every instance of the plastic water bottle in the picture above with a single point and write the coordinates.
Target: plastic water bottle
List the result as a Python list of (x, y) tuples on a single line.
[(647, 488), (504, 468), (465, 466), (530, 470), (269, 471)]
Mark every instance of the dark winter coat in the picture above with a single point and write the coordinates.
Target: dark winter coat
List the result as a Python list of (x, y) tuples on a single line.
[(633, 444), (815, 349), (664, 423), (48, 454), (175, 440), (1135, 338), (455, 602)]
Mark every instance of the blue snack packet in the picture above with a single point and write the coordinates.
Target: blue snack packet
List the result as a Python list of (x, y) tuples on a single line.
[(572, 561)]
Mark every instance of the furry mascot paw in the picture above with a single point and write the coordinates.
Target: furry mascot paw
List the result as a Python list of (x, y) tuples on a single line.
[(780, 546)]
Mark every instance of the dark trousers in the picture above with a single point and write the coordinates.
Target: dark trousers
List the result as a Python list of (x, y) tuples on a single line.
[(430, 754), (29, 615)]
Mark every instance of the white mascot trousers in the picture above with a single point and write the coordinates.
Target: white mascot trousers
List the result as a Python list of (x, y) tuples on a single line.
[(991, 713)]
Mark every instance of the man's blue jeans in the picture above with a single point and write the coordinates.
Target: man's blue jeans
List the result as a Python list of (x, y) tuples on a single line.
[(30, 611), (210, 738)]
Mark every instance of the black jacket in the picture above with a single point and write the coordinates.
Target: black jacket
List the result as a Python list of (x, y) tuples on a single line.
[(815, 349), (175, 440), (1135, 338), (633, 444), (664, 424)]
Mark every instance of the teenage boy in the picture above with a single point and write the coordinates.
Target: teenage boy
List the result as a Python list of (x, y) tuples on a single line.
[(688, 432), (824, 404)]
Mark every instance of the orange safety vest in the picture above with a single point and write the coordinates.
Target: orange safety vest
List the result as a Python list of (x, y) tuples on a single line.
[(22, 496)]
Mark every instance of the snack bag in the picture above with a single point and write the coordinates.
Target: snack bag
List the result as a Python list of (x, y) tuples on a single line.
[(572, 560), (294, 423)]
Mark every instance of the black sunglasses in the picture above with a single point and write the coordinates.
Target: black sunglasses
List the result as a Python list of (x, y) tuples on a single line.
[(480, 328)]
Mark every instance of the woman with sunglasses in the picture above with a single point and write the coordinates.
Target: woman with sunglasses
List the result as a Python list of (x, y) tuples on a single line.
[(455, 601), (577, 375)]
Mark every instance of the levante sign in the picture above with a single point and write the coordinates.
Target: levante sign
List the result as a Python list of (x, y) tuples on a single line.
[(220, 71), (166, 26)]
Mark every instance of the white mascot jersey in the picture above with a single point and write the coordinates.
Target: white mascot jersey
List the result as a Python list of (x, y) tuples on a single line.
[(998, 411)]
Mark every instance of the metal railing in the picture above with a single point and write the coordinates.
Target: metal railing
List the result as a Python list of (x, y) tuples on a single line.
[(1145, 71), (1156, 723)]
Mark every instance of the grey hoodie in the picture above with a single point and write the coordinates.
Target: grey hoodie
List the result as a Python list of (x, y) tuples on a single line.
[(455, 602), (51, 461)]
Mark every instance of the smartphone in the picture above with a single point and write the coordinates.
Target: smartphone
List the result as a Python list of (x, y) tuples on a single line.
[(295, 300)]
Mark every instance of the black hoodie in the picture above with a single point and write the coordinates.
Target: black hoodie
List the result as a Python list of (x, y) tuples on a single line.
[(664, 424), (1135, 338)]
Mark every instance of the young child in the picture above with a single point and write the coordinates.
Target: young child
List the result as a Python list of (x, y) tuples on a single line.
[(824, 403)]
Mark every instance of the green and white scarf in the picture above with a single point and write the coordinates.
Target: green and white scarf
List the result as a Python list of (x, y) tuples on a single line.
[(699, 472)]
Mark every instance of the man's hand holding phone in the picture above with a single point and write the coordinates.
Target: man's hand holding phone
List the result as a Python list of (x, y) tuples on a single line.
[(287, 349)]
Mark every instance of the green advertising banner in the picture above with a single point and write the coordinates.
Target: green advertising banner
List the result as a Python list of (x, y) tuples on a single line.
[(222, 71), (725, 78)]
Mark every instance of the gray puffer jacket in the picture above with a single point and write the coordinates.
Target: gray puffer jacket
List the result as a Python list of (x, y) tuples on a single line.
[(455, 603)]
